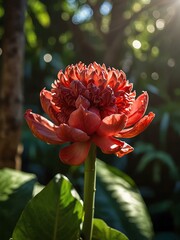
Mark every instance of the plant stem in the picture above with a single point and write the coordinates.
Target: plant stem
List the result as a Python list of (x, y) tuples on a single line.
[(89, 193)]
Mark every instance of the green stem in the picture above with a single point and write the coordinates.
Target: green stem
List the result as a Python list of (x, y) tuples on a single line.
[(89, 193)]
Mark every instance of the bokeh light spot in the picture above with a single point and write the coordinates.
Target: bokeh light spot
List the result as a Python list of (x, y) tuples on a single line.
[(150, 28), (136, 7), (51, 41), (155, 76), (145, 45), (65, 16), (105, 8), (47, 57), (160, 24), (171, 62), (136, 44), (127, 14), (139, 26), (156, 14), (143, 75), (155, 51), (83, 14)]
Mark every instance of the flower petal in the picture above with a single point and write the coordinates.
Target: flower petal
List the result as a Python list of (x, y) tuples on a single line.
[(42, 128), (45, 98), (112, 145), (125, 149), (82, 101), (112, 124), (138, 109), (84, 120), (138, 127), (70, 134), (75, 154)]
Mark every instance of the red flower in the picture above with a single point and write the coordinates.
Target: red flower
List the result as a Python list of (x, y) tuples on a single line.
[(90, 104)]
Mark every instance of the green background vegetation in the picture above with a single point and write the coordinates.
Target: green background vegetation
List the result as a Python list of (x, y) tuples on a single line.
[(140, 37)]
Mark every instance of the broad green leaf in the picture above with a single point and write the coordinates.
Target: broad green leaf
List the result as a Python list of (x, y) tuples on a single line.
[(122, 200), (37, 188), (16, 188), (102, 231), (55, 213), (164, 157)]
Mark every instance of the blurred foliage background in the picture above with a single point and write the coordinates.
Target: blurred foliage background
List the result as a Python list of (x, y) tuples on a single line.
[(140, 37)]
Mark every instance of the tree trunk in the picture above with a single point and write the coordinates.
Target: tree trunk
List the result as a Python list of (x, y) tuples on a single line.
[(11, 96), (115, 36)]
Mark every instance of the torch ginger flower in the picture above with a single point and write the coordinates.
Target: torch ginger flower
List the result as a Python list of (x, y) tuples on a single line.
[(90, 104)]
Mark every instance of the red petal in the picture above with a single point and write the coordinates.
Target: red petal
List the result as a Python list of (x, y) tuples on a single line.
[(138, 109), (111, 145), (112, 124), (70, 134), (42, 128), (45, 98), (138, 127), (75, 154), (82, 101), (124, 150), (85, 120)]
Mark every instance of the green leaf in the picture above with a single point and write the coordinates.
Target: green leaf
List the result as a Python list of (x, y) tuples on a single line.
[(163, 157), (102, 231), (122, 200), (55, 213), (16, 188)]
